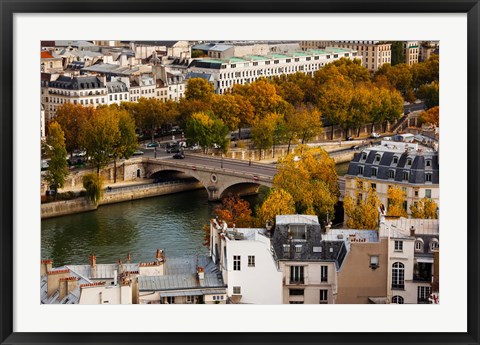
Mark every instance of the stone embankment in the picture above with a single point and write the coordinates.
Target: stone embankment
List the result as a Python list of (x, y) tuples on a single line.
[(121, 194)]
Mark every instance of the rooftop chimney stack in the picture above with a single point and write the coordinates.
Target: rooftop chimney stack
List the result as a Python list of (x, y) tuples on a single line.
[(128, 258), (412, 231), (93, 261)]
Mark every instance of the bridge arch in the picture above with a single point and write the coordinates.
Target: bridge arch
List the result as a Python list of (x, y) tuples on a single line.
[(215, 181)]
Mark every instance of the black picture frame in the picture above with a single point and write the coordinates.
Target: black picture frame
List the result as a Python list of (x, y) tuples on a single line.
[(10, 7)]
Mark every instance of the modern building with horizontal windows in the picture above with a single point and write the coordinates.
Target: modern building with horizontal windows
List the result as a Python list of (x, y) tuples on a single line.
[(241, 70)]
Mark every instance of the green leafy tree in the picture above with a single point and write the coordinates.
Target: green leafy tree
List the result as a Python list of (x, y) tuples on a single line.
[(55, 147), (429, 93), (94, 187), (206, 130), (397, 53), (264, 130), (126, 143)]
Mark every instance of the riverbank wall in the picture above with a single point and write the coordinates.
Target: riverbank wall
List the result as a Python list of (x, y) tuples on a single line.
[(79, 205)]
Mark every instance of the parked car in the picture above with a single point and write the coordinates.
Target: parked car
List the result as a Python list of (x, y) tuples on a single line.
[(349, 138), (138, 153), (152, 144), (179, 155), (374, 135), (174, 149)]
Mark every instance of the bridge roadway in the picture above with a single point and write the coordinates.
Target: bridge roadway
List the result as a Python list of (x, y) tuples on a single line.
[(220, 174)]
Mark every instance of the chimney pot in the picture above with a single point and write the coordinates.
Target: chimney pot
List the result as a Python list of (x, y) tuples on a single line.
[(412, 231)]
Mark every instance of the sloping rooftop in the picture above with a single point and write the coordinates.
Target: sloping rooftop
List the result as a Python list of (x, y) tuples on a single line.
[(181, 274), (296, 219)]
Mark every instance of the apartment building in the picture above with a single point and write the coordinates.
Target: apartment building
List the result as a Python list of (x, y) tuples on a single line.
[(247, 69), (118, 91), (248, 267), (411, 50), (410, 166), (85, 90), (372, 53), (413, 246)]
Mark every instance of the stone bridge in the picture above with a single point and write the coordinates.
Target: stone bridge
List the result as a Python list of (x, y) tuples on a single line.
[(218, 175)]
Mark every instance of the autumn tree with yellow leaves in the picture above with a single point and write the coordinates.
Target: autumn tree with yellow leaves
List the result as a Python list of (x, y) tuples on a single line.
[(396, 201), (309, 176), (425, 208), (277, 202), (362, 210)]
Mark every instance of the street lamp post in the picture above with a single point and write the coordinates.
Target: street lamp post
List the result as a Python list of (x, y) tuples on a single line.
[(221, 161)]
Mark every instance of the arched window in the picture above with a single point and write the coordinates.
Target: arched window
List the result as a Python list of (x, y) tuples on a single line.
[(433, 244), (398, 275), (419, 245), (397, 300)]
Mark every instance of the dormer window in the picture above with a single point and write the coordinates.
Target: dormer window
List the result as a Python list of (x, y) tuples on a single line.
[(374, 171), (419, 245), (297, 232), (391, 174), (395, 160), (377, 158), (405, 176), (360, 170), (428, 163), (433, 244), (409, 161), (428, 177), (364, 155)]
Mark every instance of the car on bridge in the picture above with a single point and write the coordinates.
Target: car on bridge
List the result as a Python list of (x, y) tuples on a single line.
[(152, 144)]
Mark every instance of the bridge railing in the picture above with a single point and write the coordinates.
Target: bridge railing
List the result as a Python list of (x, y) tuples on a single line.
[(145, 186), (246, 175)]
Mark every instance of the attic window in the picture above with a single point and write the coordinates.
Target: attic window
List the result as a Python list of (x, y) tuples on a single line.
[(377, 158), (298, 248), (364, 155), (409, 161), (428, 163), (297, 232), (395, 160)]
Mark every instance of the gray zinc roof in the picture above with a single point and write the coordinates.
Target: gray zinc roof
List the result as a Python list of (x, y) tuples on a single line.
[(416, 171)]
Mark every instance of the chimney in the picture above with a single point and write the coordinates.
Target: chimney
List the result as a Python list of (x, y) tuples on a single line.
[(67, 285), (45, 266), (93, 266), (115, 277), (201, 273), (412, 231), (93, 261), (128, 258), (268, 226), (53, 280), (120, 266)]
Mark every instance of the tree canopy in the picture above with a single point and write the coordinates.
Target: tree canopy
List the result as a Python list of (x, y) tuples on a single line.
[(55, 147), (309, 176), (362, 211)]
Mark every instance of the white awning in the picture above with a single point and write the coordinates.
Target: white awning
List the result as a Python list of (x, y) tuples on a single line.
[(425, 260)]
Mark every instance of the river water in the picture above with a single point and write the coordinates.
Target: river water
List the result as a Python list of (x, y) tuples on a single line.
[(172, 222)]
